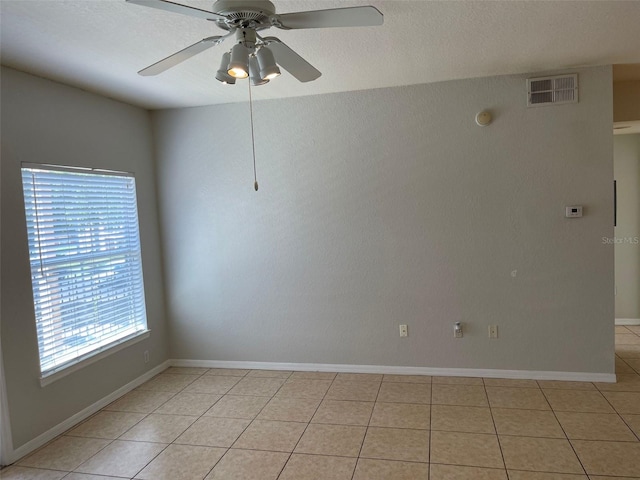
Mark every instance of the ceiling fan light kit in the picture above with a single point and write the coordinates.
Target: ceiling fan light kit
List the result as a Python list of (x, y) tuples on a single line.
[(244, 19), (253, 56)]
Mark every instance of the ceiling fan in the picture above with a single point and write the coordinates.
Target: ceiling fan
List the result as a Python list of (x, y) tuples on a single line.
[(252, 55)]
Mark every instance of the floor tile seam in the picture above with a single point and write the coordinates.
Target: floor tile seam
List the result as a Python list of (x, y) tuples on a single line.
[(584, 469), (305, 428), (390, 459), (504, 463), (602, 441), (507, 470), (355, 380), (615, 410), (251, 423), (611, 388), (339, 424), (229, 417), (537, 387), (563, 438), (366, 430), (407, 383), (339, 400), (484, 407), (465, 465), (176, 442), (618, 390), (183, 374), (92, 456), (394, 460), (478, 433), (166, 370), (217, 461), (198, 417), (397, 427), (325, 455), (479, 385), (137, 441), (139, 390), (110, 441), (15, 465), (242, 395), (549, 471), (594, 389), (624, 420), (149, 462), (228, 447), (402, 403), (460, 405)]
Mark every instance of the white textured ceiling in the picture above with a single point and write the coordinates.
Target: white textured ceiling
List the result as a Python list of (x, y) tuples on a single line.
[(99, 45)]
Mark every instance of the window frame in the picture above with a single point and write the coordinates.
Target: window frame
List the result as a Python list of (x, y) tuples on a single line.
[(100, 351)]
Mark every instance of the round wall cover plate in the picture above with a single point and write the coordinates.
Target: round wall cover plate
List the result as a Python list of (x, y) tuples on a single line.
[(483, 119)]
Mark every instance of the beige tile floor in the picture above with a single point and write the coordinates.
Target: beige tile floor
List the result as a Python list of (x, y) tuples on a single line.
[(213, 424)]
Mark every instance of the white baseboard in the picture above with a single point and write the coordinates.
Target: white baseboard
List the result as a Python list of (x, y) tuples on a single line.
[(627, 321), (450, 372), (62, 427)]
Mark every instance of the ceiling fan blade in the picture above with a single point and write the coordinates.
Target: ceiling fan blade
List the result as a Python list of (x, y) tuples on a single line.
[(336, 17), (291, 61), (177, 8), (179, 57)]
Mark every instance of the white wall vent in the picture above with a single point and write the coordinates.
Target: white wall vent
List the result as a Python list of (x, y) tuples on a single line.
[(552, 90)]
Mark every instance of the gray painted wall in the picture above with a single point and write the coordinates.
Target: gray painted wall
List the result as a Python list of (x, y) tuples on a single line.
[(391, 206), (626, 161), (43, 121)]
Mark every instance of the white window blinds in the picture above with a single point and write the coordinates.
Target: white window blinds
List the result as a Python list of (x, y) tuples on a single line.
[(86, 268)]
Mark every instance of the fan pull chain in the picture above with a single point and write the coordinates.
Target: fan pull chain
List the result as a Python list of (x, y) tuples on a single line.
[(253, 140)]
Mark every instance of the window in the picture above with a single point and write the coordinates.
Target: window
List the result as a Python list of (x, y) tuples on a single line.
[(86, 268)]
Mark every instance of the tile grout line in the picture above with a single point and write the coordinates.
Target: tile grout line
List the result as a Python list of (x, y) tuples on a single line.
[(164, 403), (203, 414), (253, 419), (633, 432), (284, 465), (504, 463), (565, 433), (110, 441), (160, 406), (364, 437), (308, 423)]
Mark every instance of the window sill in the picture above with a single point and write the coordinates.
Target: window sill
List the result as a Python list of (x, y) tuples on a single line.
[(94, 357)]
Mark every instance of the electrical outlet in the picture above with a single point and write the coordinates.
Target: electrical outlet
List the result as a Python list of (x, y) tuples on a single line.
[(403, 331), (457, 330), (493, 331), (146, 356)]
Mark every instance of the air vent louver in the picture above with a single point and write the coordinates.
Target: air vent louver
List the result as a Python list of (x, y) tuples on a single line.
[(552, 90)]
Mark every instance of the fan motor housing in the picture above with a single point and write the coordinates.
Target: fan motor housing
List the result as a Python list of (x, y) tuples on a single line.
[(244, 13)]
